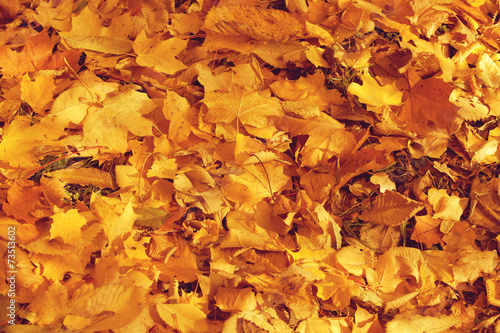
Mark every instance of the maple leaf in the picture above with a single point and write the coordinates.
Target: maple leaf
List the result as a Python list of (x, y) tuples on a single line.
[(427, 230), (426, 104), (20, 140), (361, 161), (235, 299), (445, 206), (243, 142), (68, 108), (22, 201), (372, 93), (67, 226), (177, 110), (88, 32), (159, 54), (38, 93), (327, 138), (469, 264), (47, 305), (116, 224), (379, 236), (255, 183), (109, 125), (252, 110), (180, 262), (36, 55), (385, 183)]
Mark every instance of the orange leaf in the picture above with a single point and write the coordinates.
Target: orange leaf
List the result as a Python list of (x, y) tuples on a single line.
[(391, 208), (22, 201), (257, 23), (427, 231)]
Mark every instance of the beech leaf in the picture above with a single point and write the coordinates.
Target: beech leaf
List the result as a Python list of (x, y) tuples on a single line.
[(391, 208)]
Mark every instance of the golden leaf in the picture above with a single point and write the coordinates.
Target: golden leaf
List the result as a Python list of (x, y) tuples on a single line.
[(372, 93), (159, 54), (67, 226), (445, 206)]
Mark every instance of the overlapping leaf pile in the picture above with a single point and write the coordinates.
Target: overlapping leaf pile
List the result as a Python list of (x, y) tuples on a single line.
[(246, 166)]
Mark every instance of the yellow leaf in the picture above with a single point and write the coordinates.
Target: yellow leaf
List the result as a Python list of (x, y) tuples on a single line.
[(251, 111), (56, 266), (354, 259), (114, 305), (445, 206), (38, 93), (51, 305), (115, 224), (469, 264), (68, 107), (88, 32), (383, 180), (488, 71), (427, 231), (127, 176), (372, 93), (493, 291), (67, 226), (255, 184), (278, 53), (235, 299), (159, 54), (20, 139), (109, 125)]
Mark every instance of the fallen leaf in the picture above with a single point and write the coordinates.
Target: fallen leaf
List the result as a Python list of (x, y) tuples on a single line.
[(391, 208), (372, 93)]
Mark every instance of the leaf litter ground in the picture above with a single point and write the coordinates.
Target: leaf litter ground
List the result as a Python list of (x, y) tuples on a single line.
[(244, 166)]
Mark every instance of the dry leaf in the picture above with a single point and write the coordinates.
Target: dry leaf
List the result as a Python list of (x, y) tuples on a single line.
[(391, 208)]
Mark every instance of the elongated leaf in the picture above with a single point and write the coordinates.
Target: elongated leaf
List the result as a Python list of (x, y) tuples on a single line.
[(391, 208)]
